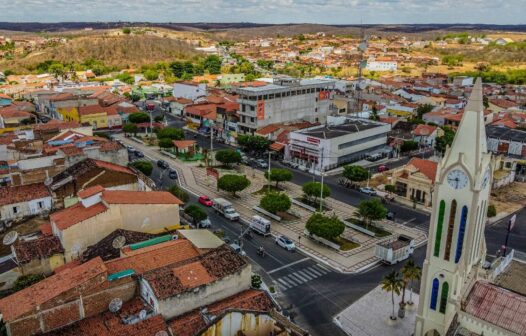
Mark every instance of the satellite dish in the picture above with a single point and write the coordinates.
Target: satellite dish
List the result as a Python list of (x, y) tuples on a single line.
[(48, 181), (142, 314), (10, 238), (118, 242), (115, 305), (161, 333)]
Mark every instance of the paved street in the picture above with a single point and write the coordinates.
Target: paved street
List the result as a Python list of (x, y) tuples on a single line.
[(317, 293)]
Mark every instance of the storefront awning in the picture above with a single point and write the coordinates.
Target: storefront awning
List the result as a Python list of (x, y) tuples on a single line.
[(277, 146)]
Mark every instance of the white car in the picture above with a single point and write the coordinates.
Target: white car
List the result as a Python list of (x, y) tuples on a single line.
[(286, 243), (368, 190)]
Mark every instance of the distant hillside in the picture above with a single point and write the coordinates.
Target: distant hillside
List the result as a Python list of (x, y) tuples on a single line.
[(116, 51)]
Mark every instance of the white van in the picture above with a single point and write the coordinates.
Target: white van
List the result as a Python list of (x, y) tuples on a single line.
[(260, 225)]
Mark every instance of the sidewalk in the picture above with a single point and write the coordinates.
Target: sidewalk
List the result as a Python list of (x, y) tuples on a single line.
[(195, 180)]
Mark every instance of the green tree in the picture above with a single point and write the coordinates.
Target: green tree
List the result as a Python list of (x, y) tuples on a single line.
[(233, 183), (25, 281), (129, 128), (492, 211), (138, 117), (314, 189), (171, 133), (423, 109), (411, 272), (144, 167), (228, 157), (165, 143), (275, 202), (355, 173), (370, 210), (253, 143), (250, 77), (179, 193), (158, 118), (126, 30), (196, 212), (325, 226), (177, 68), (256, 281), (212, 63), (374, 113), (445, 140), (390, 188), (57, 70), (408, 145), (151, 74), (279, 175), (125, 77), (392, 283)]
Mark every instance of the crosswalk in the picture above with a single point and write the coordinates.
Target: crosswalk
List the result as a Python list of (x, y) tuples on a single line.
[(302, 276)]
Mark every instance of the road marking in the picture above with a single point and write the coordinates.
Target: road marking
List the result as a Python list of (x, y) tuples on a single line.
[(323, 268), (299, 276), (409, 221), (310, 272), (309, 277), (289, 279), (283, 284), (288, 265)]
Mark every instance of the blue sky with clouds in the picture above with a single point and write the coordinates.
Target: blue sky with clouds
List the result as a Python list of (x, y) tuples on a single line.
[(268, 11)]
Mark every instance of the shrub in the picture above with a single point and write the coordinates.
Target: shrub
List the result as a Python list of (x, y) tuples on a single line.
[(275, 202), (144, 167), (492, 211), (313, 190), (25, 281), (324, 226), (228, 156), (139, 117), (179, 193), (279, 175)]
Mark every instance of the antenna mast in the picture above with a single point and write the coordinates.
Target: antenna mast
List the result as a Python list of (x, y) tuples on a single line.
[(362, 63)]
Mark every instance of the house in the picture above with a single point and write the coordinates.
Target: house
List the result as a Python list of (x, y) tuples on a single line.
[(38, 256), (426, 135), (88, 173), (189, 90), (177, 105), (17, 202), (414, 181), (5, 100), (185, 146), (498, 105), (99, 212), (94, 115), (503, 41)]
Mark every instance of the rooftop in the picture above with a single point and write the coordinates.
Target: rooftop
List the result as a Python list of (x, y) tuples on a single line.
[(68, 217), (202, 239), (28, 299), (350, 127), (513, 277), (139, 197), (426, 167), (41, 248), (498, 306), (18, 194)]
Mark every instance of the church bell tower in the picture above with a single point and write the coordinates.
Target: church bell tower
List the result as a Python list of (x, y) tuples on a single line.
[(456, 245)]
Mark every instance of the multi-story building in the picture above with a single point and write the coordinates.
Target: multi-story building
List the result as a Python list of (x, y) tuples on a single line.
[(329, 146), (284, 100)]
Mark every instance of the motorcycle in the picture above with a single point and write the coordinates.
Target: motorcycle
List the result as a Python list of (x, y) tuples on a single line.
[(247, 235), (261, 253)]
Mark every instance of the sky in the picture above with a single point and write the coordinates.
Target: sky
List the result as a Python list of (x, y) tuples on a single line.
[(268, 11)]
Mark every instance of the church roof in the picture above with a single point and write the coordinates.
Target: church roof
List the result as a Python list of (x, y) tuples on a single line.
[(498, 306)]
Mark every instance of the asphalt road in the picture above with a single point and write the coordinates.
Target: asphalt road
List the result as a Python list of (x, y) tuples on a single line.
[(315, 292)]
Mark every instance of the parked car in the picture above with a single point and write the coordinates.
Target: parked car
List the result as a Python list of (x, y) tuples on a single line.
[(130, 149), (382, 168), (220, 140), (286, 243), (374, 157), (368, 190), (237, 249), (172, 174), (139, 154), (390, 215), (162, 164), (261, 163), (205, 200)]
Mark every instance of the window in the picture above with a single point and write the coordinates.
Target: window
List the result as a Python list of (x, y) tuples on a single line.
[(440, 222), (443, 297), (461, 231), (434, 294), (450, 227), (40, 204), (252, 108), (15, 209)]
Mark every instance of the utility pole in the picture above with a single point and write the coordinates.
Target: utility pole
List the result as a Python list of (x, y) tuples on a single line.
[(321, 173), (268, 171), (211, 143)]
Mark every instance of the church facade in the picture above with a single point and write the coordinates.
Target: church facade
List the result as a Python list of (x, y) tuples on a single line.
[(456, 296)]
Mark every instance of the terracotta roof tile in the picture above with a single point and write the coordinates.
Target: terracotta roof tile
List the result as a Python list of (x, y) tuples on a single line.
[(497, 306), (193, 275), (424, 130), (77, 213), (139, 197), (41, 248), (192, 323), (31, 298), (426, 167), (113, 166), (85, 193), (268, 129), (46, 229), (182, 144), (18, 194), (91, 109)]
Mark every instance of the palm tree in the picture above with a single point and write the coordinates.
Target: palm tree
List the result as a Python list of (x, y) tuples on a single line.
[(392, 283), (411, 272)]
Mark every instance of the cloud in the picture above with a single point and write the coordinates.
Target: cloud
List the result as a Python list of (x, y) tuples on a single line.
[(269, 11)]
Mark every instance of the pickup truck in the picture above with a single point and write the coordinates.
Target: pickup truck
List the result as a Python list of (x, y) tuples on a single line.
[(225, 208)]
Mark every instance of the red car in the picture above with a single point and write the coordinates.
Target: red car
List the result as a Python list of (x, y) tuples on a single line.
[(205, 201)]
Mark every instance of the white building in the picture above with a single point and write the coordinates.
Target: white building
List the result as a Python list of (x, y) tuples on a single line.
[(284, 100), (189, 90), (17, 202), (330, 146), (457, 296), (382, 65)]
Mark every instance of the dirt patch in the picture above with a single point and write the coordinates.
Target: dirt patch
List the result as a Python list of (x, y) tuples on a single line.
[(510, 198)]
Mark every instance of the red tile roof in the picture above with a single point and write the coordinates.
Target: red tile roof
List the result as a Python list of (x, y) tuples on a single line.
[(91, 109), (182, 144), (46, 229), (139, 197), (426, 167), (276, 146), (268, 129), (154, 257), (424, 130), (504, 103), (18, 194), (29, 299), (77, 213), (40, 248), (85, 193), (498, 306), (4, 96), (192, 323), (112, 166)]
